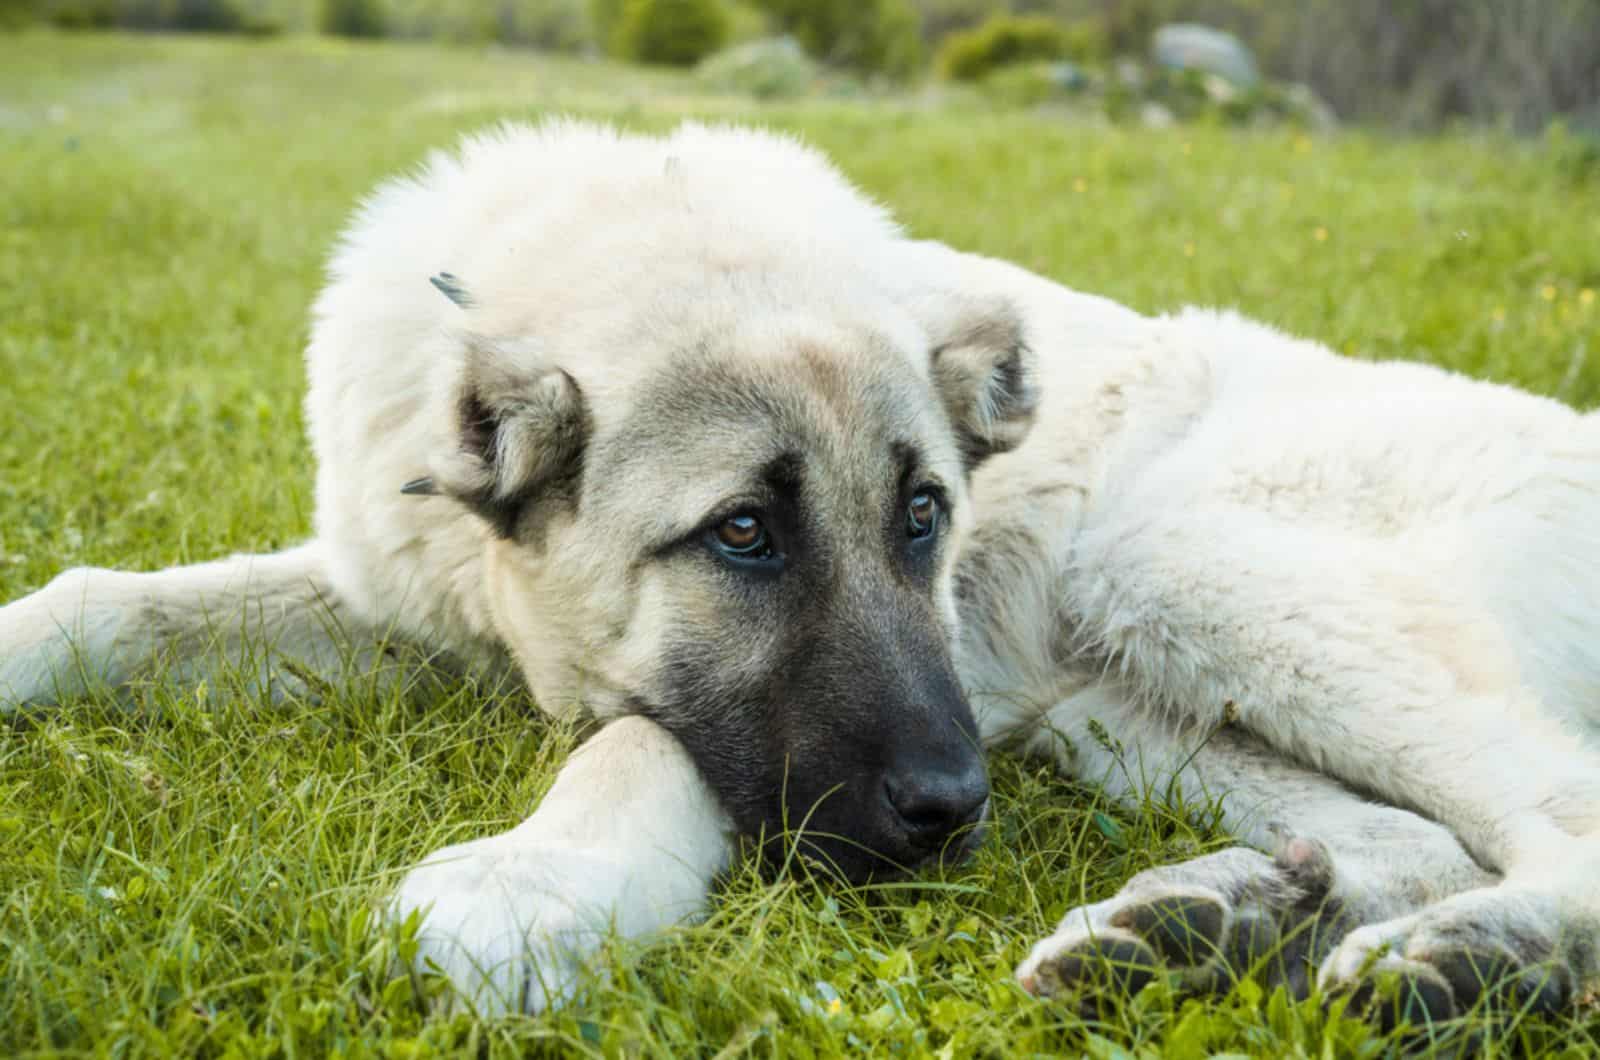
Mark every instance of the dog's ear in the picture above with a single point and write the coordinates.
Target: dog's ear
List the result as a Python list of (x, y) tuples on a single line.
[(520, 437), (984, 374)]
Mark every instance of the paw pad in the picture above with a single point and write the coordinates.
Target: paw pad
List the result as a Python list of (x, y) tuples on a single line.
[(1500, 980), (1182, 929), (1109, 963), (1411, 994)]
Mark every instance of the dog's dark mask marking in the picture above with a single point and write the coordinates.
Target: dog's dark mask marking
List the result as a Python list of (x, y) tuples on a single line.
[(864, 692)]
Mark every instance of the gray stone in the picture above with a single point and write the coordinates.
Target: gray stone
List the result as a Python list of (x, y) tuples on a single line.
[(1189, 46), (1311, 108), (1156, 116), (1068, 76)]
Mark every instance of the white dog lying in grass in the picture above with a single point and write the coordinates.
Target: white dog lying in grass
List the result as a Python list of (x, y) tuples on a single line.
[(803, 510)]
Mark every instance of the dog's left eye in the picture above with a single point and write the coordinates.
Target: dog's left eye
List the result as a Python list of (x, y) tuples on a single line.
[(922, 516)]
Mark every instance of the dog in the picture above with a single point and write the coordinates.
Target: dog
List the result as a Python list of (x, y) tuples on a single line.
[(805, 513)]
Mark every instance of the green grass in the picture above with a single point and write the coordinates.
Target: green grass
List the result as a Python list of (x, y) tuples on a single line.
[(193, 877)]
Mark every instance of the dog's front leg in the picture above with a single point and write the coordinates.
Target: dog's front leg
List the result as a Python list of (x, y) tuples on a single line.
[(627, 840), (275, 621)]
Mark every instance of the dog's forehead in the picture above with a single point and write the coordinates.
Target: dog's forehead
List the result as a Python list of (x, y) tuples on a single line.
[(709, 421)]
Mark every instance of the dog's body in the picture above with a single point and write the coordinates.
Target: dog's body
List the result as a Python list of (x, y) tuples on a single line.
[(1356, 602)]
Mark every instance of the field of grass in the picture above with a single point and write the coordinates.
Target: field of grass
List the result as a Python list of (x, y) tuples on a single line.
[(194, 876)]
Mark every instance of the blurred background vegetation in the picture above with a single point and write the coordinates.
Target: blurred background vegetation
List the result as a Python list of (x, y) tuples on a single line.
[(1412, 64), (197, 878)]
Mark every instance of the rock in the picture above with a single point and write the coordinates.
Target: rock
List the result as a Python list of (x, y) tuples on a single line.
[(1219, 89), (1189, 46), (1156, 116), (1311, 108), (1067, 76), (769, 68), (1129, 74)]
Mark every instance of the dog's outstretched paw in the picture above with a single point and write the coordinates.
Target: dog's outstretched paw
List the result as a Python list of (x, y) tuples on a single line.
[(1494, 948), (1124, 947), (1206, 921), (512, 927), (1395, 992)]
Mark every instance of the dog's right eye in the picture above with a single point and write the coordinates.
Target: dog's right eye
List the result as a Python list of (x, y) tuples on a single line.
[(742, 538), (741, 534)]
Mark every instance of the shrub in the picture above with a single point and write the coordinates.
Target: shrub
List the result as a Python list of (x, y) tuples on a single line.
[(256, 17), (17, 13), (210, 16), (1087, 41), (551, 25), (892, 45), (352, 18), (81, 14), (604, 18), (671, 32), (940, 18), (746, 22), (774, 68), (881, 37), (1001, 41)]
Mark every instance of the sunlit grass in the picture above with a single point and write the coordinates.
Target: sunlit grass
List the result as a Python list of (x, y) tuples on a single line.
[(196, 876)]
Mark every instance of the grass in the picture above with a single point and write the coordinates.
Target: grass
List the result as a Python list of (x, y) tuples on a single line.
[(194, 876)]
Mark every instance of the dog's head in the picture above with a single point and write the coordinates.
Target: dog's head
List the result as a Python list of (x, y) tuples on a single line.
[(729, 496)]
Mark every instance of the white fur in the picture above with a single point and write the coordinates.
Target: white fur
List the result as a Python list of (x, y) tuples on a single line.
[(1383, 572), (562, 222), (1382, 576), (513, 917)]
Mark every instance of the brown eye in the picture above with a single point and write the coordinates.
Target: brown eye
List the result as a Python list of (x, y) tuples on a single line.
[(922, 515), (742, 536)]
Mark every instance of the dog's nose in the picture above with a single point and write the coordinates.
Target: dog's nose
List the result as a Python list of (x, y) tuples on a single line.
[(932, 805)]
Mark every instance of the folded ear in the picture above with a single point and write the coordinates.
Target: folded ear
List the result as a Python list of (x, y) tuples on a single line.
[(520, 439), (984, 373)]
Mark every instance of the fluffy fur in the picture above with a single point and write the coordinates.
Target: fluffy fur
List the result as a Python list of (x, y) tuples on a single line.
[(1355, 601)]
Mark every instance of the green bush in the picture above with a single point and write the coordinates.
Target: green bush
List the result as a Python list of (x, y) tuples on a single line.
[(1007, 39), (604, 18), (257, 17), (352, 18), (551, 25), (892, 44), (746, 22), (871, 36), (81, 14), (670, 32), (940, 18), (210, 16), (17, 13), (772, 68), (1087, 41)]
